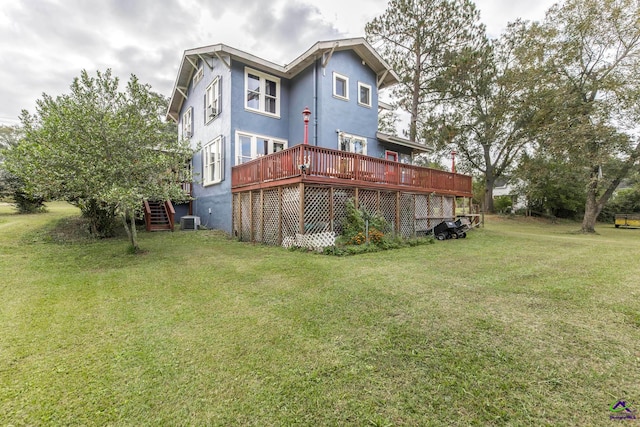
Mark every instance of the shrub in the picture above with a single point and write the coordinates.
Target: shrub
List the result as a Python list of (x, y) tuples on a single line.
[(27, 204)]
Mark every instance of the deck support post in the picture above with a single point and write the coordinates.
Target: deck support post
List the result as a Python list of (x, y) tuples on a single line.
[(397, 213), (251, 238), (280, 215), (331, 210), (301, 212), (262, 216)]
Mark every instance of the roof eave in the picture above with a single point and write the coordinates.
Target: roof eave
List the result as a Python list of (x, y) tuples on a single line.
[(391, 139), (384, 73)]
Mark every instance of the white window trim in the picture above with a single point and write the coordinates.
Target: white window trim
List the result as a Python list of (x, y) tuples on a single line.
[(254, 145), (346, 86), (214, 150), (262, 102), (199, 74), (212, 92), (187, 123), (352, 137), (361, 85)]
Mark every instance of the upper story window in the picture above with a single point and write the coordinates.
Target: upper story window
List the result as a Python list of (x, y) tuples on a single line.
[(341, 86), (352, 143), (213, 161), (187, 123), (364, 94), (262, 92), (198, 76), (212, 100), (250, 146)]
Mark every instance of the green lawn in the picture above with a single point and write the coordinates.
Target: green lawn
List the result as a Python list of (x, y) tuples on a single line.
[(522, 323)]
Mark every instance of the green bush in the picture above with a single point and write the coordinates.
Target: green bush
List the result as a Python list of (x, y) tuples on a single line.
[(27, 204)]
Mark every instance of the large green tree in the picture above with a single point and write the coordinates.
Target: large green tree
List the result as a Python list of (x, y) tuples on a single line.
[(589, 51), (11, 186), (101, 147), (9, 136), (488, 118), (421, 39)]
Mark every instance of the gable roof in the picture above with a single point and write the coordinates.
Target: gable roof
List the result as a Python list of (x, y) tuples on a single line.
[(323, 49)]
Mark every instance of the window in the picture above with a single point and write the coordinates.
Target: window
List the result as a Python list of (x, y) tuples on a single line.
[(352, 143), (212, 100), (213, 161), (364, 94), (187, 123), (250, 146), (198, 76), (340, 86), (391, 155), (262, 92), (406, 159)]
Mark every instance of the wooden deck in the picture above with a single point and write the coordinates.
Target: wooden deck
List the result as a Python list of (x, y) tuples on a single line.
[(339, 168)]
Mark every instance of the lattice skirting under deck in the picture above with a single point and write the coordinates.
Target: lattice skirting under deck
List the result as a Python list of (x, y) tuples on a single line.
[(312, 216)]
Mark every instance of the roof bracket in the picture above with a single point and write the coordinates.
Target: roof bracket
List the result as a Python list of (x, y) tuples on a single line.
[(228, 64), (183, 91), (381, 78), (173, 117), (193, 63), (325, 60), (210, 66)]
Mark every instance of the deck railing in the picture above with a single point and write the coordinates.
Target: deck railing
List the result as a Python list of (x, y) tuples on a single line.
[(327, 163)]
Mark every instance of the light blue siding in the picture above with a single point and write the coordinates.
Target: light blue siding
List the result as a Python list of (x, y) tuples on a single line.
[(347, 116), (312, 88)]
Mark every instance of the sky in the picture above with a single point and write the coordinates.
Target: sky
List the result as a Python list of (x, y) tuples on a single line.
[(44, 44)]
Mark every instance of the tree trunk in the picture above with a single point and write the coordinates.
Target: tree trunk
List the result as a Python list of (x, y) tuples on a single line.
[(591, 210), (130, 228), (489, 179), (488, 193), (415, 100), (134, 232)]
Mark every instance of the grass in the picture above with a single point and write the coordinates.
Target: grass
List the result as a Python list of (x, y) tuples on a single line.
[(522, 323)]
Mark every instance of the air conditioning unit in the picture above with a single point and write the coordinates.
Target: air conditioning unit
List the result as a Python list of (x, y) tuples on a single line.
[(189, 222)]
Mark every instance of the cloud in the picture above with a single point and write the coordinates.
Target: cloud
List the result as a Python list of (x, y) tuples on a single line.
[(52, 40), (293, 28)]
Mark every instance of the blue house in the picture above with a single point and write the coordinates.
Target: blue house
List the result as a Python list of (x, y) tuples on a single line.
[(240, 111)]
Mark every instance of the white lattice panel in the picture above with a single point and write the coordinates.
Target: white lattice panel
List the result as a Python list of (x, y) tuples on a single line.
[(316, 241), (256, 214), (368, 201), (340, 197), (422, 213), (245, 206), (435, 210), (317, 210), (388, 209), (271, 220), (407, 216), (448, 204), (290, 211)]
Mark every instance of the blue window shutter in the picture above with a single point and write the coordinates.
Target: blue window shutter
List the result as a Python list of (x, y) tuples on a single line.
[(222, 159)]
